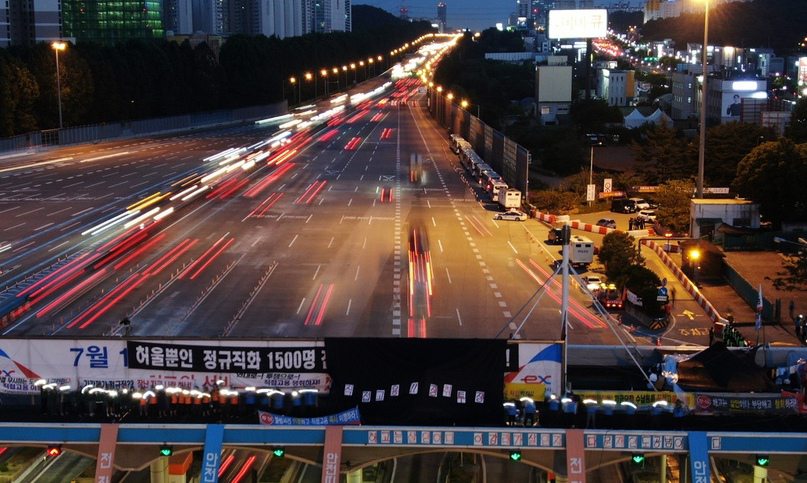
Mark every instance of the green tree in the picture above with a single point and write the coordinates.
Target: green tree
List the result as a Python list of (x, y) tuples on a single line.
[(797, 130), (673, 198), (591, 115), (644, 283), (773, 175), (552, 201), (794, 275), (663, 155), (18, 91), (618, 253), (726, 145)]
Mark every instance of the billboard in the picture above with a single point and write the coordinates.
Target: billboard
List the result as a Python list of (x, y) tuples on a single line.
[(578, 24), (802, 79), (732, 97)]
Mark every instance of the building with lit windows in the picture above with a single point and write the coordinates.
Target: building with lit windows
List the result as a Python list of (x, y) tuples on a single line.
[(26, 22), (655, 9), (441, 15), (106, 21), (178, 16)]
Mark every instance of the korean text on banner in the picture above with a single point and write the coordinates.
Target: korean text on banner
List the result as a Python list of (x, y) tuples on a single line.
[(211, 456), (106, 453), (575, 456), (699, 457), (332, 456)]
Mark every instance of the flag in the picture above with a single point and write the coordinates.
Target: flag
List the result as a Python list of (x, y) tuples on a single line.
[(758, 324)]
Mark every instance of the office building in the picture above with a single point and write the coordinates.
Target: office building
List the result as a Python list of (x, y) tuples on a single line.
[(441, 14), (111, 21), (617, 87), (26, 22), (178, 17)]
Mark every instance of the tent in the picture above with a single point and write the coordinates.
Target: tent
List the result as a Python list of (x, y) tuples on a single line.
[(634, 119), (717, 369), (658, 118)]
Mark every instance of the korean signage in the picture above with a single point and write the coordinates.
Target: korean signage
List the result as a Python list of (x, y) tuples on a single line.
[(734, 403), (115, 364), (176, 357), (351, 416), (578, 24), (211, 455)]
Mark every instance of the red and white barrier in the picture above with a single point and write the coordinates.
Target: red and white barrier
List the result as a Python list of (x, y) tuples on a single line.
[(685, 281)]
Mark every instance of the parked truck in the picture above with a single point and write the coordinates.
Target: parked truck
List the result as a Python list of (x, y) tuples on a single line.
[(509, 198)]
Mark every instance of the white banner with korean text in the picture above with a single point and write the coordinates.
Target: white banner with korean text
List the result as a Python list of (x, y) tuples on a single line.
[(287, 364)]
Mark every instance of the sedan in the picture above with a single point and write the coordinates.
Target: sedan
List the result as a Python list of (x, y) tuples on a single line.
[(592, 282), (511, 215), (607, 223), (647, 215)]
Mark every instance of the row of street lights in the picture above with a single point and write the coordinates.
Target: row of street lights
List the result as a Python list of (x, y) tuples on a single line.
[(333, 73)]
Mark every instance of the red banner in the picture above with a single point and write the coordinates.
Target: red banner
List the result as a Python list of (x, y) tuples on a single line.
[(332, 456), (575, 456), (106, 453)]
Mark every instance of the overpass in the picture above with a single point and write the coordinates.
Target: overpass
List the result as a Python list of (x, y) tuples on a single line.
[(570, 452)]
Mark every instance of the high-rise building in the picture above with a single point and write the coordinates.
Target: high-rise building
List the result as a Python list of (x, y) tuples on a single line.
[(208, 16), (26, 22), (328, 16), (282, 18), (178, 16), (441, 14), (110, 21)]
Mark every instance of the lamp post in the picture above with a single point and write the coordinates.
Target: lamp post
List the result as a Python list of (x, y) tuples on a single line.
[(57, 46), (694, 258), (335, 71), (293, 81), (702, 138), (324, 74), (308, 76)]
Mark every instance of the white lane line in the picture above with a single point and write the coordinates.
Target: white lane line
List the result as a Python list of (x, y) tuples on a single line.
[(330, 242), (512, 247), (59, 245), (293, 240), (440, 244), (10, 209), (82, 211), (316, 272), (15, 226), (309, 218), (301, 305), (43, 226), (258, 240), (35, 165), (73, 184), (434, 222), (29, 212), (356, 277), (107, 156), (459, 318), (449, 276), (57, 212), (347, 312)]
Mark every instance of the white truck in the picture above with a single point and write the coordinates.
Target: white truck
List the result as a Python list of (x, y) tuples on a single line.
[(581, 251), (509, 198)]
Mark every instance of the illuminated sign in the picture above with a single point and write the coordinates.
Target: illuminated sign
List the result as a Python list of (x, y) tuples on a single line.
[(578, 24), (744, 86)]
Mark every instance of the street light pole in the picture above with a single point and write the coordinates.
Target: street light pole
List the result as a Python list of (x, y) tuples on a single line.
[(590, 171), (704, 73), (57, 46)]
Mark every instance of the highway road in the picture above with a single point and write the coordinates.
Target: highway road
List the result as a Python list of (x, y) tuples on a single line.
[(335, 241)]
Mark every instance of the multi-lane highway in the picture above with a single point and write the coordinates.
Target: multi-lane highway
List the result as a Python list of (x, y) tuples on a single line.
[(336, 240), (326, 233)]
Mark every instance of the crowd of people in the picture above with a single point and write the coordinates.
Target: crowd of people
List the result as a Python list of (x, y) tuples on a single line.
[(216, 403)]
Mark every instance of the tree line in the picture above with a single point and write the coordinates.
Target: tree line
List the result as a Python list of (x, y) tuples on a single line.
[(143, 79)]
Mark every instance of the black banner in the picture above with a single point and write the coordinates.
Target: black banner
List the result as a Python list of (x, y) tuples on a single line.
[(419, 381), (225, 359)]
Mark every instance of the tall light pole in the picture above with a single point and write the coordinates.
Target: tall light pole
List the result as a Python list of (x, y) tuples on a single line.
[(57, 46), (308, 76), (704, 73)]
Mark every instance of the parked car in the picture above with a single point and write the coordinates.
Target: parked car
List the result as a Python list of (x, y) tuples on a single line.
[(647, 215), (640, 204), (511, 215), (623, 205), (607, 222)]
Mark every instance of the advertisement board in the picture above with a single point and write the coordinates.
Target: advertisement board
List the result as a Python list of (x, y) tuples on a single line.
[(578, 24), (539, 368), (732, 97), (115, 364)]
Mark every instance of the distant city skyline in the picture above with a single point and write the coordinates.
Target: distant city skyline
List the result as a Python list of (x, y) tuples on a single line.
[(473, 14)]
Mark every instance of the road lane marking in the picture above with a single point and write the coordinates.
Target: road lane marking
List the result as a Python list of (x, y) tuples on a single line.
[(35, 165), (316, 272), (512, 247), (449, 276), (300, 307), (293, 240), (459, 318)]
